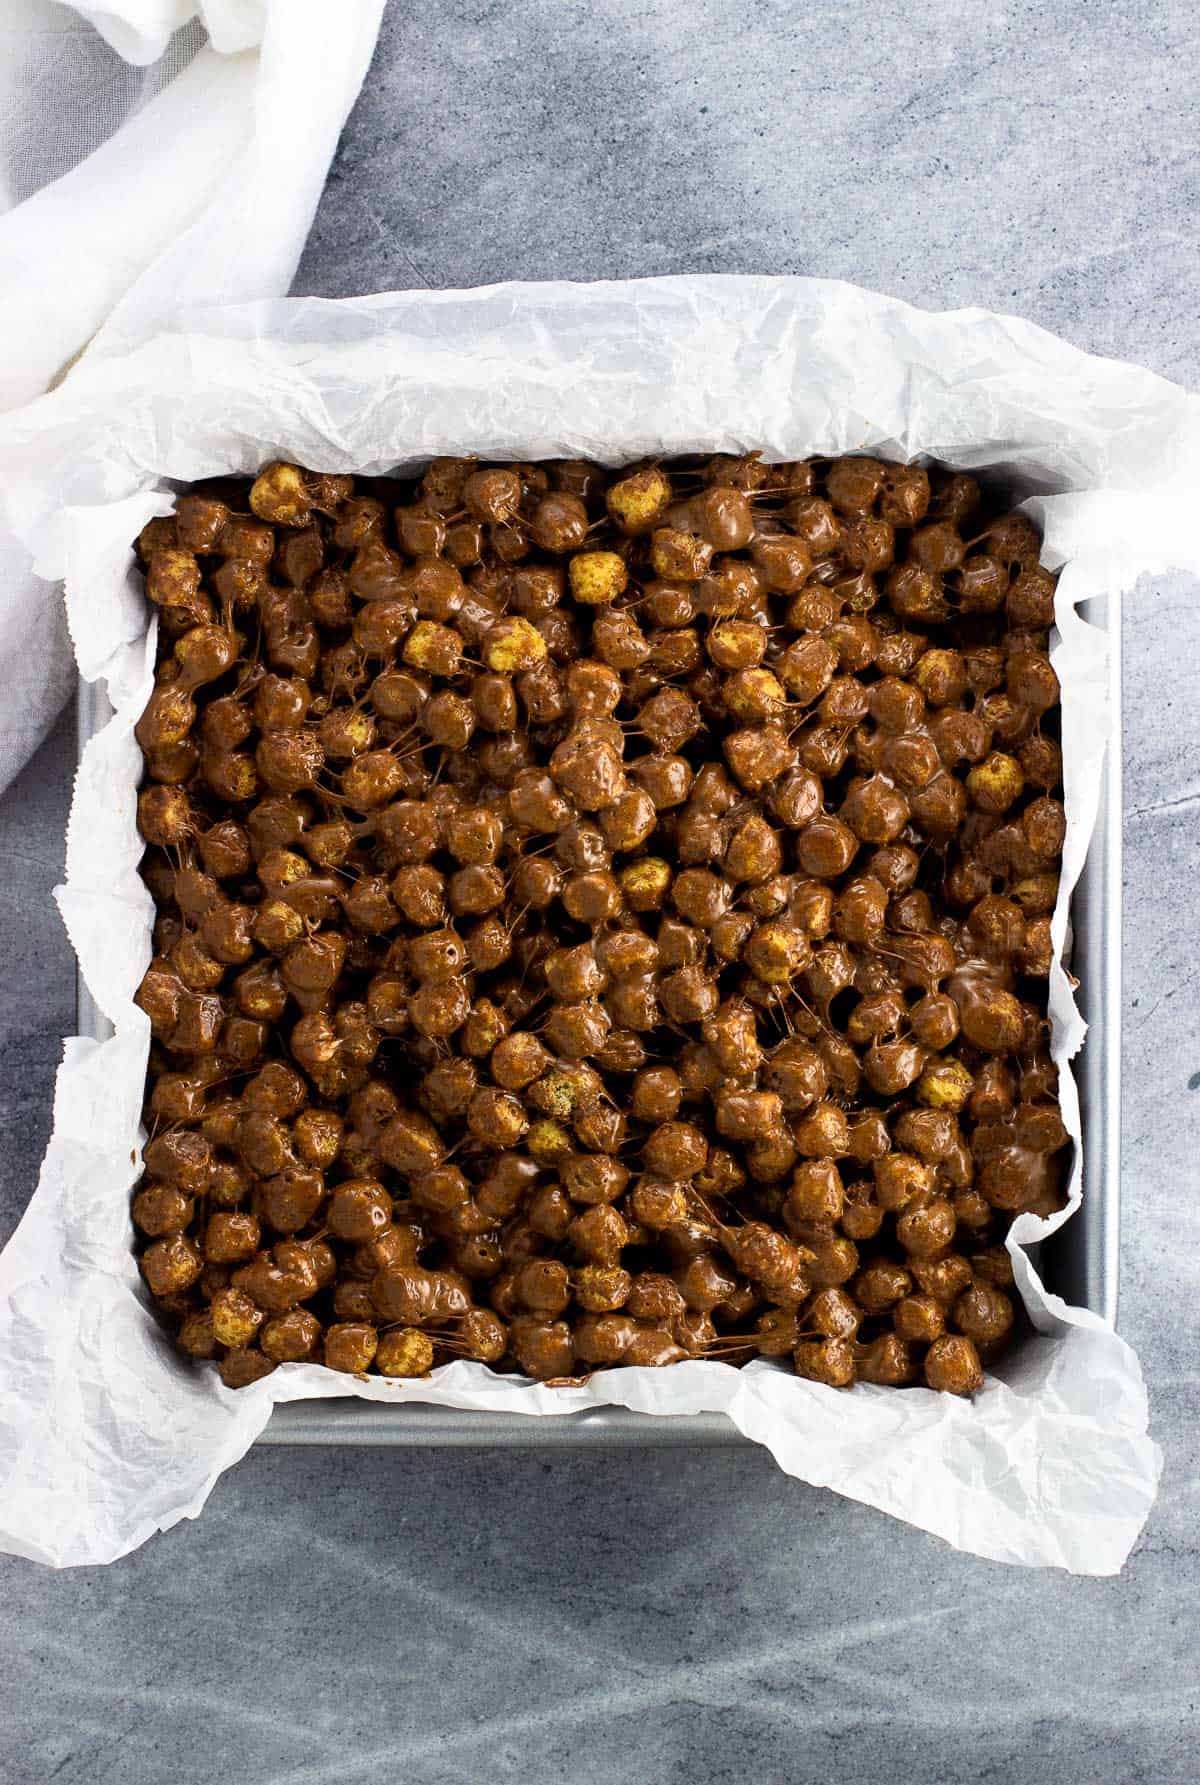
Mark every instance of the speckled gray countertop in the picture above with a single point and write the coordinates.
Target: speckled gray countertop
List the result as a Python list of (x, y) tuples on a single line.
[(693, 1616)]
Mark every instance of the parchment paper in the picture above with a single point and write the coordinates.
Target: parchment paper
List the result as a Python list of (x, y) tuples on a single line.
[(106, 1436)]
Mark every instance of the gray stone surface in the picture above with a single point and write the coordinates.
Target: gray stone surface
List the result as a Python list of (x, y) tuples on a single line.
[(1033, 157), (37, 984), (665, 1616)]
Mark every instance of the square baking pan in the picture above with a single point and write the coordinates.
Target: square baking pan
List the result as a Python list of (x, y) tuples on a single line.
[(1079, 1263)]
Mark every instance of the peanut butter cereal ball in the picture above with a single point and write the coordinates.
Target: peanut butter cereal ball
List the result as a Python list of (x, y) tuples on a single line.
[(404, 1351), (952, 1365)]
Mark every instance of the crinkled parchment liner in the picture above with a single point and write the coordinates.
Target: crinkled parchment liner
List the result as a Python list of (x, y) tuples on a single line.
[(106, 1435)]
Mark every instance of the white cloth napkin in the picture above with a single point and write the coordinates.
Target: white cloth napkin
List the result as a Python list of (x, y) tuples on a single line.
[(185, 156)]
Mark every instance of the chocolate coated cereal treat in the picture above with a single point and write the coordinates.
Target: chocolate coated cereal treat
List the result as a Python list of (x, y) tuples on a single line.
[(603, 919)]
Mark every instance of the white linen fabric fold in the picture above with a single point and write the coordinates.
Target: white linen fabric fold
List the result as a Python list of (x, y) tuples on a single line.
[(140, 30), (196, 178), (105, 1434)]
